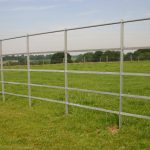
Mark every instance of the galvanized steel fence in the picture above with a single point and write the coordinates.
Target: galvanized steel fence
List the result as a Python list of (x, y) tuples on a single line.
[(122, 48)]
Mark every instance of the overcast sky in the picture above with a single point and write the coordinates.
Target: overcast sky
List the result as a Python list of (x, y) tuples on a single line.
[(19, 17)]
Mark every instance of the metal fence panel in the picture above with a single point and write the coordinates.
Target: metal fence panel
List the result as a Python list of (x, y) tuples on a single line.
[(66, 71)]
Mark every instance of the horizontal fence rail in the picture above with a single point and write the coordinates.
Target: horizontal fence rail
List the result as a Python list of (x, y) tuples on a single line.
[(78, 89), (66, 71), (78, 28), (79, 50), (80, 72), (81, 106)]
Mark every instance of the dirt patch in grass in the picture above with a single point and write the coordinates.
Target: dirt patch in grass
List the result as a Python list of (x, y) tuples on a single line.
[(113, 130)]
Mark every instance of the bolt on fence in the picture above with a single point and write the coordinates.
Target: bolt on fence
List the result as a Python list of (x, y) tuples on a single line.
[(120, 113)]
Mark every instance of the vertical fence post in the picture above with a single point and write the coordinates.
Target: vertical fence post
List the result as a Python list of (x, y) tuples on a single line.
[(28, 70), (2, 73), (121, 70), (66, 68)]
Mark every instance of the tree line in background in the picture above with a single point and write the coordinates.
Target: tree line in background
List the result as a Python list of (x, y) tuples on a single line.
[(98, 56)]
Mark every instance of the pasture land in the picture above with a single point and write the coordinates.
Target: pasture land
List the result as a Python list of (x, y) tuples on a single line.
[(45, 125)]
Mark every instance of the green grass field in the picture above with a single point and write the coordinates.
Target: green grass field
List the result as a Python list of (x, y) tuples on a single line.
[(45, 125)]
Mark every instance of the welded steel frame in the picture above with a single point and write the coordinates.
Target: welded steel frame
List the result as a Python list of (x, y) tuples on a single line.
[(122, 48)]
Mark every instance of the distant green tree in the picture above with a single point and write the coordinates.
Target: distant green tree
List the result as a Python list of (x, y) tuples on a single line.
[(142, 54), (111, 56), (22, 60), (88, 57), (59, 58), (48, 56), (128, 56), (79, 58), (97, 56)]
